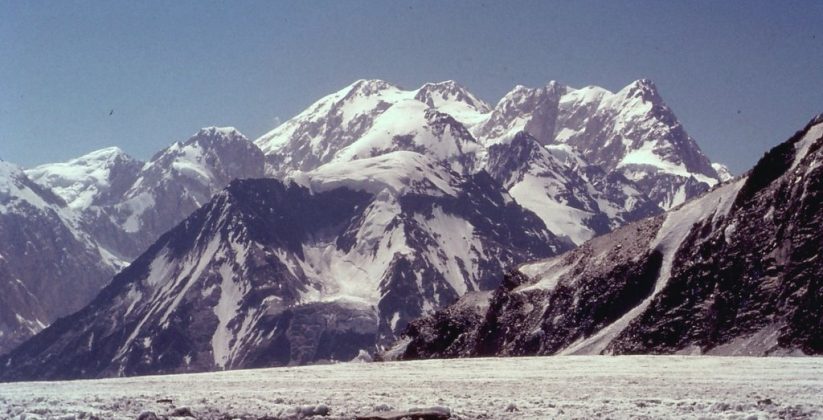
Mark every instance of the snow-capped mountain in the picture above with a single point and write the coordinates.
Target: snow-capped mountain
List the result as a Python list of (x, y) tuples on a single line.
[(336, 261), (48, 266), (373, 117), (456, 191), (575, 199), (631, 139), (735, 271), (631, 132), (66, 228), (183, 177), (96, 179), (127, 204)]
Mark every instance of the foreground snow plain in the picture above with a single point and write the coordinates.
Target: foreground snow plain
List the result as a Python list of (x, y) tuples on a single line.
[(493, 388)]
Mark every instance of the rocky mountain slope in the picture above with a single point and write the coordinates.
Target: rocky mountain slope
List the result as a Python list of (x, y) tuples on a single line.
[(274, 274), (48, 266), (736, 271)]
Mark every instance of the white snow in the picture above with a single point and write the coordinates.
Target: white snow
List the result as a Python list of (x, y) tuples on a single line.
[(168, 282), (79, 181), (455, 243), (349, 103), (363, 102), (722, 171), (225, 310), (135, 207), (353, 275), (190, 273), (408, 119), (14, 192), (546, 272), (536, 194), (647, 155), (189, 163), (456, 101), (802, 147), (397, 171), (538, 387)]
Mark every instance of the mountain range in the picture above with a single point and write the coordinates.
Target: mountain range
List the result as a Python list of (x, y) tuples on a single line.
[(329, 234), (736, 271)]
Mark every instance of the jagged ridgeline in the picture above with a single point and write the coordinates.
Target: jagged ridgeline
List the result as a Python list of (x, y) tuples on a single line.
[(736, 271), (435, 194)]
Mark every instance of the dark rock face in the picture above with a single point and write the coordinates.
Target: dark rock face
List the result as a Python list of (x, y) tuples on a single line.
[(737, 271), (237, 283), (524, 318), (159, 315), (754, 274)]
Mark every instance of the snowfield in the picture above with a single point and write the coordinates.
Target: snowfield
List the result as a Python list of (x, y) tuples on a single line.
[(494, 388)]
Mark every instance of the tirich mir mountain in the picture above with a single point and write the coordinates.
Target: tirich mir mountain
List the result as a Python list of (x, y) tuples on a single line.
[(632, 132), (382, 205), (736, 271)]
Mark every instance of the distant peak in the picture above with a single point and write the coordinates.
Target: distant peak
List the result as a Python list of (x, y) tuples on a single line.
[(225, 132), (519, 92), (723, 172), (451, 91), (112, 150), (647, 83), (370, 86), (446, 84), (642, 88), (214, 135), (220, 130), (104, 153)]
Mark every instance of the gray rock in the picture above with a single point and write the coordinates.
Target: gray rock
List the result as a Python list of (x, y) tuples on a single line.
[(431, 413), (147, 415)]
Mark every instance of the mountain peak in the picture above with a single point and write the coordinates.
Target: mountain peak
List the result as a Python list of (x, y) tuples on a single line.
[(368, 87), (215, 135), (553, 88), (644, 89), (213, 131), (453, 98), (450, 84), (106, 156)]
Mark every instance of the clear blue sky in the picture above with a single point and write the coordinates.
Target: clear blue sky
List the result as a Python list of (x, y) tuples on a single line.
[(742, 76)]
